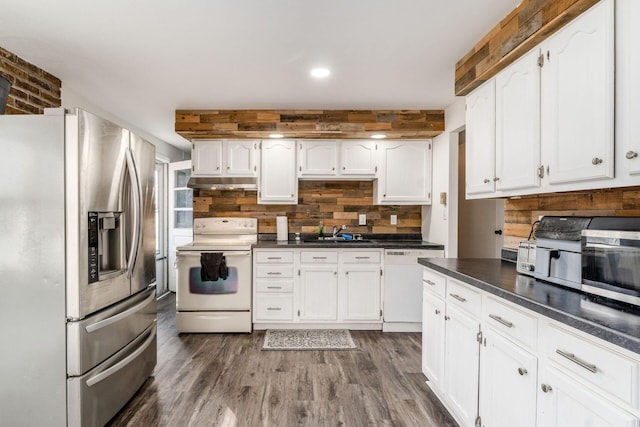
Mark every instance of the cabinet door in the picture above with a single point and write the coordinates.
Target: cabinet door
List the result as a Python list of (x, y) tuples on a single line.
[(358, 158), (462, 364), (518, 124), (206, 157), (563, 402), (360, 290), (480, 142), (578, 98), (628, 85), (405, 172), (317, 158), (433, 334), (319, 292), (278, 181), (508, 374), (240, 158)]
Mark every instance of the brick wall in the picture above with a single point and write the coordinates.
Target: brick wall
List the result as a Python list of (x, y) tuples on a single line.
[(332, 202), (32, 89), (519, 214)]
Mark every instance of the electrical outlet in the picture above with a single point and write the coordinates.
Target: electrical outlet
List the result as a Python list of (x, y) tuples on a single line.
[(362, 219), (394, 219)]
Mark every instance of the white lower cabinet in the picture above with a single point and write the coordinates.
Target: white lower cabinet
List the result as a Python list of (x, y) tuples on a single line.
[(507, 383), (310, 287), (564, 402), (528, 371)]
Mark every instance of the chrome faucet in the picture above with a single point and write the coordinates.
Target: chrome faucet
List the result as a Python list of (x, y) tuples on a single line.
[(337, 230)]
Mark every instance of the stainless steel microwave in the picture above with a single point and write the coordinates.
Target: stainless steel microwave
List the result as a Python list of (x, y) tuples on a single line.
[(611, 259)]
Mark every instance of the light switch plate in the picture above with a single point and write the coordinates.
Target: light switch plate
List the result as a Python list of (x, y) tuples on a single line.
[(362, 219), (394, 219)]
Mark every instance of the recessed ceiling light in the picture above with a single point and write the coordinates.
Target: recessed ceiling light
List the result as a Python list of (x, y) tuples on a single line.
[(276, 135), (379, 136), (320, 73)]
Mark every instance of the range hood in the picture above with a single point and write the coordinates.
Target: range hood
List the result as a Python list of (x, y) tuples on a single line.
[(222, 183)]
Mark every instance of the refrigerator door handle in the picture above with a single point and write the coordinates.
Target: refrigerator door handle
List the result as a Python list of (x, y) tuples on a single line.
[(136, 198), (124, 362)]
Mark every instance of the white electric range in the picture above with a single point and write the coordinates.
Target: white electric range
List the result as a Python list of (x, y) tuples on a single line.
[(223, 305)]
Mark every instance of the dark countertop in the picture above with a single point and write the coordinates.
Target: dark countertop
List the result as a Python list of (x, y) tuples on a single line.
[(381, 241), (618, 324)]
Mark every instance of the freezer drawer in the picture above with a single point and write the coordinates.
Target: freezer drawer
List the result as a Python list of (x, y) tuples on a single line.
[(95, 338), (94, 398)]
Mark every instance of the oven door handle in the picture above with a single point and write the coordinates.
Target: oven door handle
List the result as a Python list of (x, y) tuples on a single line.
[(226, 254)]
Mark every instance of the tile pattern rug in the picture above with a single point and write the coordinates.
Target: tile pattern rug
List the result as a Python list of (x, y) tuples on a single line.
[(308, 339)]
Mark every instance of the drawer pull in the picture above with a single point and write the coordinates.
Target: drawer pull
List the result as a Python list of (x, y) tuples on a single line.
[(274, 273), (319, 257), (546, 388), (274, 257), (274, 308), (429, 282), (458, 297), (501, 320), (363, 257), (447, 317), (274, 287), (522, 371), (588, 366), (437, 311)]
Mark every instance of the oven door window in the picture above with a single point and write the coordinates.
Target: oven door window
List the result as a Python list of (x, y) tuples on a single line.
[(208, 287), (612, 265)]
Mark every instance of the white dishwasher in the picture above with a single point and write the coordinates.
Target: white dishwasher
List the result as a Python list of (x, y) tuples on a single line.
[(402, 311)]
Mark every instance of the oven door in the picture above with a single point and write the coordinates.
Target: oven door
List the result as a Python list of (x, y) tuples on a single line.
[(232, 293), (611, 264)]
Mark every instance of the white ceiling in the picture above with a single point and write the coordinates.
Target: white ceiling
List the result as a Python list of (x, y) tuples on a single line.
[(141, 60)]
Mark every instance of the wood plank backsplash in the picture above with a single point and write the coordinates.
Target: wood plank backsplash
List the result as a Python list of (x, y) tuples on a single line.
[(519, 214), (332, 202)]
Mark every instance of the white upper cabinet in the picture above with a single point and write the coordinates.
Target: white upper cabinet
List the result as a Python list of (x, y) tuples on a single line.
[(358, 158), (480, 139), (318, 158), (224, 158), (628, 90), (404, 174), (327, 159), (518, 124), (278, 183), (206, 157), (577, 99)]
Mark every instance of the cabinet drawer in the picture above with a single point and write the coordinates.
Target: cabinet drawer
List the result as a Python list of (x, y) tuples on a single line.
[(463, 296), (434, 282), (361, 257), (320, 257), (580, 357), (274, 271), (274, 307), (511, 321), (274, 286), (279, 257)]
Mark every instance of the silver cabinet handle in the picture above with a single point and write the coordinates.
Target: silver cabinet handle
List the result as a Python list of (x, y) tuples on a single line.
[(458, 297), (274, 287), (546, 388), (274, 308), (274, 257), (631, 155), (228, 167), (541, 172), (501, 320), (429, 282), (447, 317), (596, 161), (335, 273), (486, 181), (344, 168), (588, 366), (363, 257), (274, 273), (218, 168), (333, 169), (319, 257), (437, 311), (496, 179), (522, 371)]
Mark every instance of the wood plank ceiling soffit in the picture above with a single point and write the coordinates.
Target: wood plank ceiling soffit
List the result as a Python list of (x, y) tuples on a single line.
[(321, 124), (520, 31)]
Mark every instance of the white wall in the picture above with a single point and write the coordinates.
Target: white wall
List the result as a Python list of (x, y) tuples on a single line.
[(440, 222), (164, 151)]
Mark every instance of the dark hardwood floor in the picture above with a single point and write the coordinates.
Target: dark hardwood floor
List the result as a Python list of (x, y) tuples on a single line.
[(226, 380)]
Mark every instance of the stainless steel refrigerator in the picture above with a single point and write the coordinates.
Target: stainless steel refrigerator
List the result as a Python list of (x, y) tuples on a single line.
[(77, 268)]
